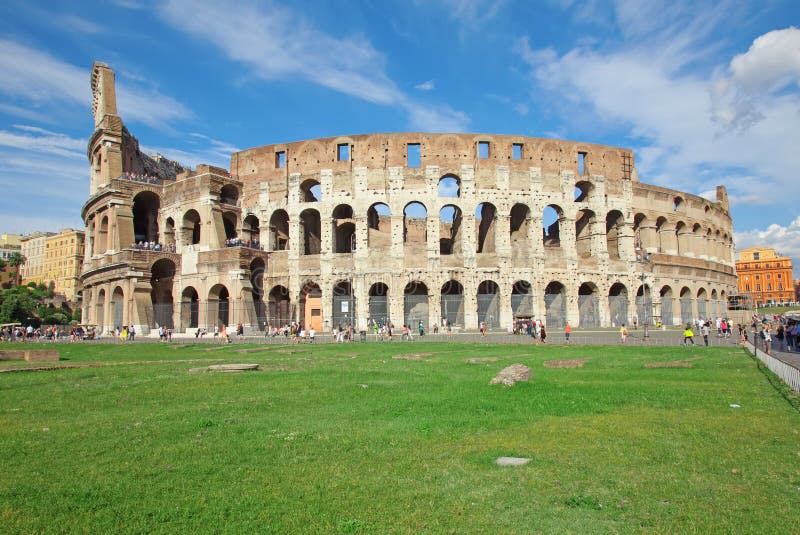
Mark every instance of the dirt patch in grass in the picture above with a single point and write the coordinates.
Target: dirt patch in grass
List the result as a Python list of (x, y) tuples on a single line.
[(251, 350), (481, 360), (412, 356), (565, 363), (511, 375), (671, 364)]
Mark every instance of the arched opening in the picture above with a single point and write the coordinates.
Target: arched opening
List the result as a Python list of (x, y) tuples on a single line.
[(555, 302), (667, 299), (310, 191), (117, 308), (145, 217), (161, 277), (257, 268), (682, 238), (343, 229), (485, 221), (687, 313), (450, 230), (379, 226), (311, 306), (702, 301), (219, 305), (229, 222), (191, 227), (415, 230), (584, 223), (489, 304), (551, 226), (522, 300), (279, 305), (449, 186), (641, 239), (379, 303), (229, 194), (343, 304), (279, 230), (588, 305), (618, 304), (310, 232), (644, 307), (715, 311), (169, 234), (415, 305), (677, 204), (190, 308), (251, 230), (614, 223), (662, 238), (583, 191), (519, 223), (101, 242), (452, 304), (100, 309)]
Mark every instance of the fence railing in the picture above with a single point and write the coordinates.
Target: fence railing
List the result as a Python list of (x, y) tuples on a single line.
[(788, 374)]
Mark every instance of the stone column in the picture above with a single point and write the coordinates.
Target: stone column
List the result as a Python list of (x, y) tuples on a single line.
[(668, 239)]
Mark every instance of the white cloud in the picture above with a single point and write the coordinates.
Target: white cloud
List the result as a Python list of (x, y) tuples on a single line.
[(206, 150), (43, 82), (685, 120), (472, 13), (771, 63), (438, 119), (425, 86), (784, 239), (278, 43)]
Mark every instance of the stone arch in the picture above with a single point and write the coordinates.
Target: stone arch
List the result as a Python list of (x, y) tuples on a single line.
[(486, 223), (146, 205), (588, 305), (585, 221), (379, 303), (162, 275), (100, 309), (618, 304), (415, 229), (311, 306), (191, 227), (279, 230), (379, 225), (310, 190), (169, 232), (449, 186), (229, 194), (583, 191), (251, 231), (702, 302), (310, 232), (229, 223), (190, 308), (687, 306), (661, 230), (488, 298), (452, 303), (522, 299), (555, 303), (257, 268), (117, 308), (415, 304), (278, 307), (667, 305), (343, 302), (343, 229), (219, 305), (551, 225), (519, 224), (614, 224), (450, 222), (102, 239)]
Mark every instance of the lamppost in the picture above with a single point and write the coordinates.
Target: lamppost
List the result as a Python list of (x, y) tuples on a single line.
[(644, 259)]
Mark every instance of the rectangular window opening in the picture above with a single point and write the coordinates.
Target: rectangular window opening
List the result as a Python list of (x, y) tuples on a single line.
[(343, 152), (516, 151), (483, 150), (280, 159), (581, 163), (413, 155)]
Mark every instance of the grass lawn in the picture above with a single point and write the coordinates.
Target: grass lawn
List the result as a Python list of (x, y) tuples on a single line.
[(348, 439)]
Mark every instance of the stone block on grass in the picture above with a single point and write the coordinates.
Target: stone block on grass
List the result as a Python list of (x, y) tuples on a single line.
[(42, 355)]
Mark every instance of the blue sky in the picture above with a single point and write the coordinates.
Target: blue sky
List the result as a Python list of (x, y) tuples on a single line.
[(705, 93)]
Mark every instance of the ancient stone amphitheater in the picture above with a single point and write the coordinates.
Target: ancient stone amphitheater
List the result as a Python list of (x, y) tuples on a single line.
[(402, 227)]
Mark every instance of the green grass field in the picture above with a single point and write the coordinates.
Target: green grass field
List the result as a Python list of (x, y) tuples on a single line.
[(348, 439)]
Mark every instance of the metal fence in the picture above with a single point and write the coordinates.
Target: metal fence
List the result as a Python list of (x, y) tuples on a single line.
[(666, 311), (453, 309), (788, 374), (589, 311), (489, 310), (687, 316), (415, 310), (618, 310), (555, 310)]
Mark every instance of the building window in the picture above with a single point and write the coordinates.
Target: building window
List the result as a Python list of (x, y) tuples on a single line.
[(581, 163), (516, 151), (756, 256), (342, 152), (280, 159), (413, 156), (483, 150)]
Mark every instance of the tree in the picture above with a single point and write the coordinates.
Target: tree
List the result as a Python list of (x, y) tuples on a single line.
[(2, 265), (17, 260), (18, 305)]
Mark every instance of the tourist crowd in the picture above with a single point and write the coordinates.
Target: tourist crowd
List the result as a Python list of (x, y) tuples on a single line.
[(153, 246)]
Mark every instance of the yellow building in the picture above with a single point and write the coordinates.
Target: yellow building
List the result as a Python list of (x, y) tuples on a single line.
[(63, 259), (14, 241), (33, 249), (765, 275)]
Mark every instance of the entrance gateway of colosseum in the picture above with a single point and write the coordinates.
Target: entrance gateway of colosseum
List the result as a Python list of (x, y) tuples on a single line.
[(404, 227)]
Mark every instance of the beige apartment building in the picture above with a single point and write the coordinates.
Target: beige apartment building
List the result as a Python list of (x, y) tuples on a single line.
[(63, 259), (33, 249)]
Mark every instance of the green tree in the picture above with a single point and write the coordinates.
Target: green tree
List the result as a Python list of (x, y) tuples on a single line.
[(17, 260), (18, 305)]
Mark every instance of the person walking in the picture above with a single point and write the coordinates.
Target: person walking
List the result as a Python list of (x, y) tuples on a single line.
[(706, 330), (623, 334), (567, 332), (688, 335)]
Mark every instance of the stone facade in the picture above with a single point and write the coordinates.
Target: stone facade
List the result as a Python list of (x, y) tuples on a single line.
[(405, 227), (765, 275)]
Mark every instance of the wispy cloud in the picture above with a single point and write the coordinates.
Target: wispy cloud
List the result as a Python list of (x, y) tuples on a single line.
[(278, 43), (473, 14), (684, 119), (37, 81), (425, 86), (203, 149)]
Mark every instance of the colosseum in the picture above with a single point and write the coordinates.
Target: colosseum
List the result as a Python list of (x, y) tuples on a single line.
[(401, 227)]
